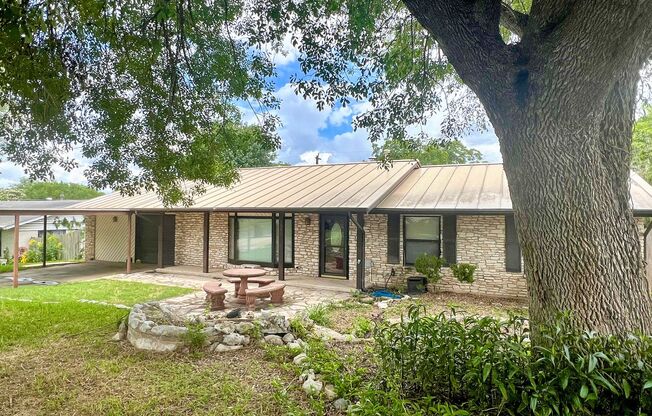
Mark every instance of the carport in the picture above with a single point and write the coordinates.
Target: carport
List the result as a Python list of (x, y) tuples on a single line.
[(17, 213)]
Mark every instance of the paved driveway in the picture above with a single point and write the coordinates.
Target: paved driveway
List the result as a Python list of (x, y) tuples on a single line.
[(72, 272)]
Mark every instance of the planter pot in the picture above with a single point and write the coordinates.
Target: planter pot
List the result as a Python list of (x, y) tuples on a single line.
[(416, 285)]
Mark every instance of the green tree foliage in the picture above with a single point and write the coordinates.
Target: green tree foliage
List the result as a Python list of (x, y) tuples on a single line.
[(642, 145), (137, 87), (427, 151), (32, 190), (11, 194), (149, 91)]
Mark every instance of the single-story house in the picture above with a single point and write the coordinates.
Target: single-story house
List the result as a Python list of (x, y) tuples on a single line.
[(353, 221), (35, 226)]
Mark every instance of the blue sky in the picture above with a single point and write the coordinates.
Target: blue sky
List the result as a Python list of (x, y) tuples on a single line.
[(306, 131)]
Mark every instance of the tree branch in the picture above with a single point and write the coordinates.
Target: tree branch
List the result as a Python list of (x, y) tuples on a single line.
[(468, 33), (513, 20)]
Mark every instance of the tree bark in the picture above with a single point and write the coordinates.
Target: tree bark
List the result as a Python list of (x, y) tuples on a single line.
[(562, 105)]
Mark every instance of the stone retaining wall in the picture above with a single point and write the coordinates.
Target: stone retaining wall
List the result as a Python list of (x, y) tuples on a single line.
[(153, 327)]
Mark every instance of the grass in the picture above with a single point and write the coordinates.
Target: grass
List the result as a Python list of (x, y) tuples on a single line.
[(57, 358), (103, 290), (28, 324), (6, 268)]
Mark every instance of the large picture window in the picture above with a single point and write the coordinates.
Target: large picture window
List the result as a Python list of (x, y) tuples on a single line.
[(254, 239), (420, 235)]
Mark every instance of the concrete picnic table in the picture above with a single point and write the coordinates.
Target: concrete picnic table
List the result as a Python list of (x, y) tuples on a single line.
[(243, 275)]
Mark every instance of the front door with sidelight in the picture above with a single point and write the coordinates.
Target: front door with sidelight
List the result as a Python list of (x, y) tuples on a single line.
[(334, 245)]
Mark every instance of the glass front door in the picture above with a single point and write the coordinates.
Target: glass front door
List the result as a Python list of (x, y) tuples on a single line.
[(334, 245)]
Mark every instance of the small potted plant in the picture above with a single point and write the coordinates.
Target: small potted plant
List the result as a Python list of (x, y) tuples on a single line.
[(429, 266)]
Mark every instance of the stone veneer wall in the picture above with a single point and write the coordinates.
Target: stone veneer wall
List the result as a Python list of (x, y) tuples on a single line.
[(218, 242), (306, 245), (189, 232), (480, 240), (89, 237)]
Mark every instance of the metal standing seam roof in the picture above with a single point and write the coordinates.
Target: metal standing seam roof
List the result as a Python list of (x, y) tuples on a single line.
[(480, 188), (7, 221), (404, 187), (337, 187)]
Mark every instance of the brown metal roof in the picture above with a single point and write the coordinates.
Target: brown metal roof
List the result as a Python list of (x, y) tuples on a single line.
[(480, 188), (476, 188), (350, 187)]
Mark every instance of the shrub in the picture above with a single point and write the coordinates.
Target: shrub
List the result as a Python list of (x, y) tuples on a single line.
[(195, 338), (362, 327), (464, 272), (489, 366), (319, 314), (34, 253), (429, 266)]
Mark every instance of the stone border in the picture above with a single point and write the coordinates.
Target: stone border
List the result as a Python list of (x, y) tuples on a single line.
[(153, 327)]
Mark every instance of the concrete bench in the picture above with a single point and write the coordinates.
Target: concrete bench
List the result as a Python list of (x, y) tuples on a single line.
[(262, 281), (215, 295), (276, 291)]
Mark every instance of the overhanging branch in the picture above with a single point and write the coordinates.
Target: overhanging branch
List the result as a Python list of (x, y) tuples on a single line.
[(513, 20)]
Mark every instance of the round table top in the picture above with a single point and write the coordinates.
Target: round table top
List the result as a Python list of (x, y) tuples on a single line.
[(244, 272)]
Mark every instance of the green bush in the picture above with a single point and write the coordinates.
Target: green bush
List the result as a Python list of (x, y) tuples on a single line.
[(464, 272), (429, 266), (53, 250), (483, 365)]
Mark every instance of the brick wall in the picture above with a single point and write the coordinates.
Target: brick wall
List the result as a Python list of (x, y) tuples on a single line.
[(89, 237), (189, 245)]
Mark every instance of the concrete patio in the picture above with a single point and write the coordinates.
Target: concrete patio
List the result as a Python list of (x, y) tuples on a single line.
[(295, 299)]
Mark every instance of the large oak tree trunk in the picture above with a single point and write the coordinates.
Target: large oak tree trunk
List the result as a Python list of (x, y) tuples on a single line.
[(568, 173), (562, 104)]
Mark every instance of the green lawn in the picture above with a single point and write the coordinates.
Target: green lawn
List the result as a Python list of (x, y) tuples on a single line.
[(57, 358), (104, 290)]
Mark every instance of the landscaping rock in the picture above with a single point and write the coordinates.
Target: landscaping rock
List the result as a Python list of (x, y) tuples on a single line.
[(295, 346), (225, 348), (300, 359), (312, 387), (273, 340), (306, 375), (244, 327), (234, 339), (382, 305), (225, 327), (274, 323), (288, 338), (327, 334), (341, 405), (235, 313), (168, 331), (121, 335), (329, 392)]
